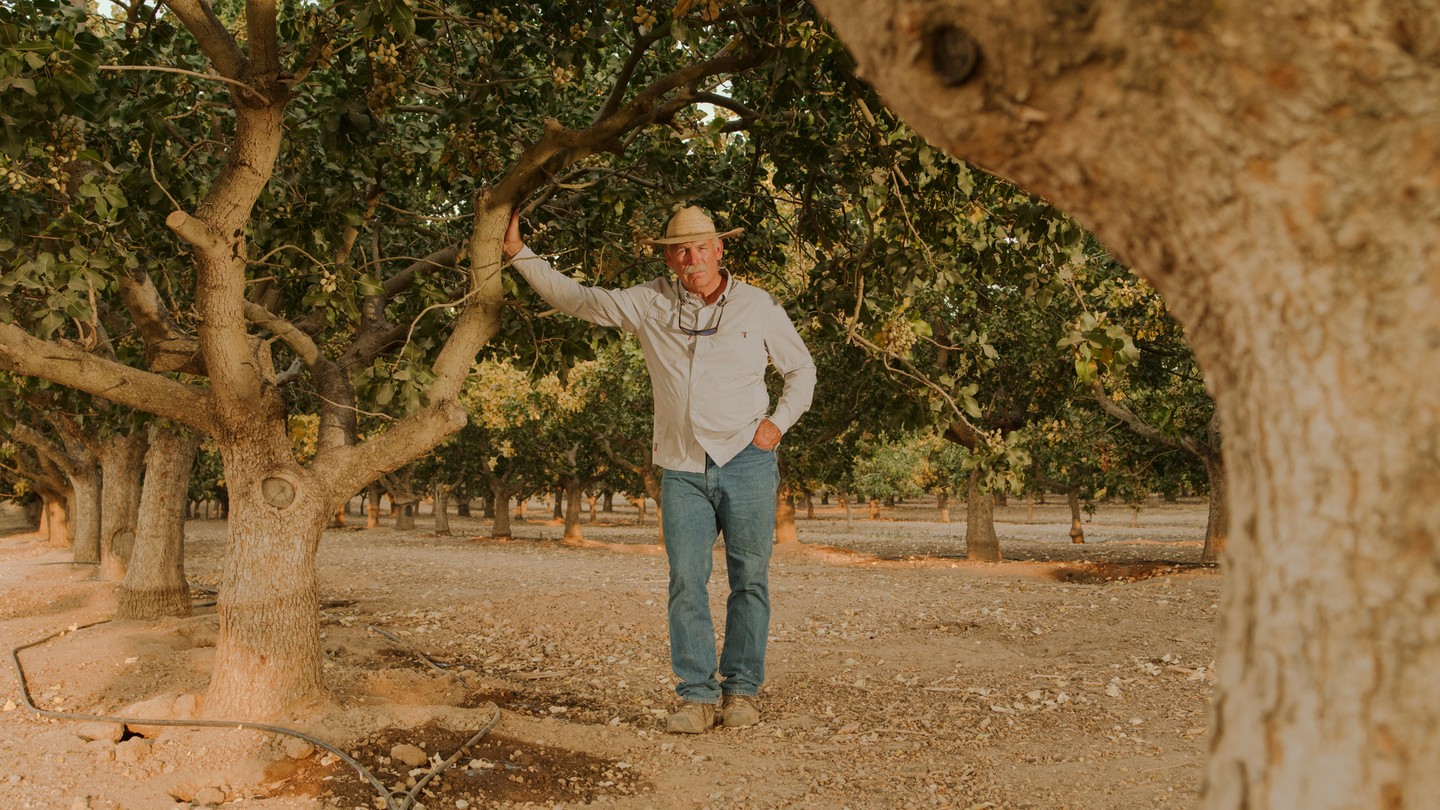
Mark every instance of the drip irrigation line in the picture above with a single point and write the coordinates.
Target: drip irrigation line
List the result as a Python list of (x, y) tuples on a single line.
[(440, 665), (384, 792), (434, 663)]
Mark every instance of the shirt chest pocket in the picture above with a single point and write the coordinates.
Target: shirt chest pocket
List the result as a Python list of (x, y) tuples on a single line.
[(739, 353)]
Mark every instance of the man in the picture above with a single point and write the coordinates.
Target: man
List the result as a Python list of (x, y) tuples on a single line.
[(707, 338)]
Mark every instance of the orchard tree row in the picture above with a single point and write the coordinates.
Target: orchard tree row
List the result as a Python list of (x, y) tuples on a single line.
[(274, 229)]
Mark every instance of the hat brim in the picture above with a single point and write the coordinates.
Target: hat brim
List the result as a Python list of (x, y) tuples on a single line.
[(698, 237)]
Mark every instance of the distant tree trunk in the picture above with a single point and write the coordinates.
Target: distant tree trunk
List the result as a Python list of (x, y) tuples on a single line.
[(64, 509), (1072, 499), (785, 531), (574, 492), (56, 520), (34, 507), (981, 544), (1217, 527), (874, 508), (462, 505), (521, 501), (943, 501), (607, 502), (85, 507), (844, 499), (559, 512), (122, 463), (442, 509), (500, 494), (809, 505), (372, 506), (590, 500), (154, 584), (405, 516)]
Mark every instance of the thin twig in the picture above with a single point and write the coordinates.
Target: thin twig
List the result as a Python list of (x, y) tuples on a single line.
[(183, 72)]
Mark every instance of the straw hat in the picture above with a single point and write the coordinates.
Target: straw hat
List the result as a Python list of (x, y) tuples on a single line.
[(690, 225)]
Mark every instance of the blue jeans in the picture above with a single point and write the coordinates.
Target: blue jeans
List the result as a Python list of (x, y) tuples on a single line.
[(739, 500)]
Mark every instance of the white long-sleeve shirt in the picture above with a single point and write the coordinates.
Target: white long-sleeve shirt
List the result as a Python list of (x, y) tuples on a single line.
[(709, 390)]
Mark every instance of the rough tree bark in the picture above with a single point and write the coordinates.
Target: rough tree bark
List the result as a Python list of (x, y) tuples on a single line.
[(154, 584), (1274, 170), (122, 463)]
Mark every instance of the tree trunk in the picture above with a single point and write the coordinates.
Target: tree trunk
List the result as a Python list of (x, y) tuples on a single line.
[(574, 494), (1289, 222), (845, 507), (520, 503), (442, 509), (560, 503), (874, 508), (590, 501), (785, 531), (651, 480), (58, 531), (641, 506), (267, 657), (1217, 528), (500, 495), (1077, 528), (85, 514), (981, 544), (372, 506), (607, 503), (809, 505), (122, 463), (943, 502), (154, 584), (462, 505), (405, 516)]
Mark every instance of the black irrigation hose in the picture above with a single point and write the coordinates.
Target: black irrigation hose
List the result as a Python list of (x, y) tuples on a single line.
[(439, 665), (388, 795)]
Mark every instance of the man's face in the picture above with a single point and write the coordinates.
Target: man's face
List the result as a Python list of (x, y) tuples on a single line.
[(696, 264)]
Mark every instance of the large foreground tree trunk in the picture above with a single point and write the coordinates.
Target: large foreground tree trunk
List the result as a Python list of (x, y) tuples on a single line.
[(154, 584), (122, 463), (267, 657), (1274, 171)]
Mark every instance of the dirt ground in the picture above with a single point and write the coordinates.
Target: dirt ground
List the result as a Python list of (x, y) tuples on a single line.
[(900, 675)]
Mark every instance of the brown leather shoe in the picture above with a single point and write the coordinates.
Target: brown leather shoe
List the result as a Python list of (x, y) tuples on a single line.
[(738, 711), (693, 718)]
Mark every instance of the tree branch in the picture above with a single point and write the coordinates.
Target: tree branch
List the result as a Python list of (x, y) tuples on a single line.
[(216, 42), (299, 342), (23, 353), (167, 348), (260, 33), (1144, 429)]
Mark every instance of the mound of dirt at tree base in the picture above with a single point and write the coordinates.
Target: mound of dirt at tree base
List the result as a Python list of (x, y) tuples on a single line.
[(899, 675)]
